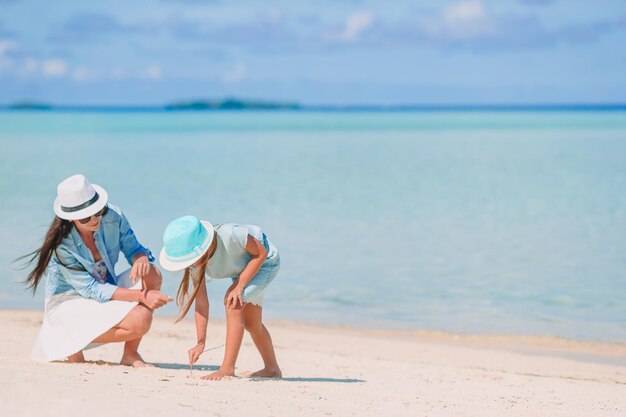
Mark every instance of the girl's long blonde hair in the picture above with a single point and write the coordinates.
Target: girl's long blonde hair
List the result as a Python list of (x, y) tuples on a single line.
[(182, 296)]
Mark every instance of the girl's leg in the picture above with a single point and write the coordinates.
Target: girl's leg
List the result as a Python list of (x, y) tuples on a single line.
[(234, 336), (253, 315)]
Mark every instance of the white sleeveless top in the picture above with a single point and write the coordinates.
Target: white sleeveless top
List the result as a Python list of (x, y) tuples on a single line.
[(231, 257)]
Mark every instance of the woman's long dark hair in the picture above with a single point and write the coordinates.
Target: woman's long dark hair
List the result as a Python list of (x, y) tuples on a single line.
[(58, 230)]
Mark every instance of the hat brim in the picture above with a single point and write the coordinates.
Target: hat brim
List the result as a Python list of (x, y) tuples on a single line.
[(87, 211), (174, 266)]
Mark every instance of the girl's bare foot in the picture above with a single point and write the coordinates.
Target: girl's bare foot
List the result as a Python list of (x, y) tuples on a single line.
[(135, 360), (266, 373), (219, 374), (76, 358)]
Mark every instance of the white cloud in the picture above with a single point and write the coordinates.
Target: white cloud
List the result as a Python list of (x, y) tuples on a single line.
[(81, 74), (29, 66), (355, 25), (54, 68), (153, 72), (274, 15), (465, 11), (237, 73), (466, 19), (6, 45)]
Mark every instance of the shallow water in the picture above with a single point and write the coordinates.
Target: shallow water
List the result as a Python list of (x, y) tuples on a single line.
[(462, 221)]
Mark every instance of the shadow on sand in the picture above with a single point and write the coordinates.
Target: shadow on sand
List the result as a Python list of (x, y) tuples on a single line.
[(156, 365), (301, 379), (215, 368), (294, 379), (185, 366), (201, 368)]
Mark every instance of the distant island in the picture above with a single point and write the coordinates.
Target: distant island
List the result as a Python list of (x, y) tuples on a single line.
[(30, 105), (231, 104), (236, 104), (224, 104)]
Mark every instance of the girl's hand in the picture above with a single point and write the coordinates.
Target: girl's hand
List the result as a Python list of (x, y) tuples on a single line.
[(195, 352), (141, 267), (233, 296)]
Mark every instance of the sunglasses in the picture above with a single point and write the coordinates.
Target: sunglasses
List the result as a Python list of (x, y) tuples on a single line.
[(98, 214)]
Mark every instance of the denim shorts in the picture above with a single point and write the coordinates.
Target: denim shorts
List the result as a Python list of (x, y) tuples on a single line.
[(254, 291)]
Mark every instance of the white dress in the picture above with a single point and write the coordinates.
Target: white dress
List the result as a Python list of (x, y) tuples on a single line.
[(71, 322)]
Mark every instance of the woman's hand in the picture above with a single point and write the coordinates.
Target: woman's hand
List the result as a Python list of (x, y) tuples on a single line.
[(141, 267), (233, 296), (154, 299), (195, 352)]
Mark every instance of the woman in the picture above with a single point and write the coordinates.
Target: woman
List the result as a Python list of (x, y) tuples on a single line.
[(86, 303)]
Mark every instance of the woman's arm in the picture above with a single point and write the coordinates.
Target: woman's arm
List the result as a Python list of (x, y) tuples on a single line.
[(81, 280), (259, 253), (152, 299), (129, 245), (141, 266), (85, 284), (202, 319)]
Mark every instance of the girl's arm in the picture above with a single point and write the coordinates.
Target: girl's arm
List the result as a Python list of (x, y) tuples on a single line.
[(202, 319), (259, 253)]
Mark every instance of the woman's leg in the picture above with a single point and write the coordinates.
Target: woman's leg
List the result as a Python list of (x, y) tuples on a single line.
[(131, 329), (234, 336), (131, 356), (76, 358), (253, 315), (136, 323)]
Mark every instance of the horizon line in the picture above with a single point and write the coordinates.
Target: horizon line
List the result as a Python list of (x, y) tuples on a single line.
[(41, 106)]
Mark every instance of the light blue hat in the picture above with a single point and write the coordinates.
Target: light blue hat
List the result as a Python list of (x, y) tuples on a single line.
[(185, 240)]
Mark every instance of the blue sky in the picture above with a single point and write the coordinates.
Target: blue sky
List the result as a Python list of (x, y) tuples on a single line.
[(315, 52)]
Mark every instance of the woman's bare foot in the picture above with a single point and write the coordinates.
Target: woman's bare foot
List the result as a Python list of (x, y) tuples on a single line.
[(76, 358), (135, 360), (219, 374), (266, 373)]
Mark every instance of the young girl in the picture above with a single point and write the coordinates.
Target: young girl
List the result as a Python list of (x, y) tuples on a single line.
[(242, 253)]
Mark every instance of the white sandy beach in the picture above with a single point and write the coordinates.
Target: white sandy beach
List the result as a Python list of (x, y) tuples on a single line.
[(327, 371)]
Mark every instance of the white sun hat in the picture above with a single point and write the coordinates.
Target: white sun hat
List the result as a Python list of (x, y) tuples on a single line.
[(78, 199)]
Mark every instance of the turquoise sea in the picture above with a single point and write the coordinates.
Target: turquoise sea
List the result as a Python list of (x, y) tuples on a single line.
[(465, 221)]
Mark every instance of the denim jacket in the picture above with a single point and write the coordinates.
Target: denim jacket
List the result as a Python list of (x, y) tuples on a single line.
[(71, 267)]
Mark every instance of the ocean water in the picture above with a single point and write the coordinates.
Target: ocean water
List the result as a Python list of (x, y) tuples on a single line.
[(471, 222)]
